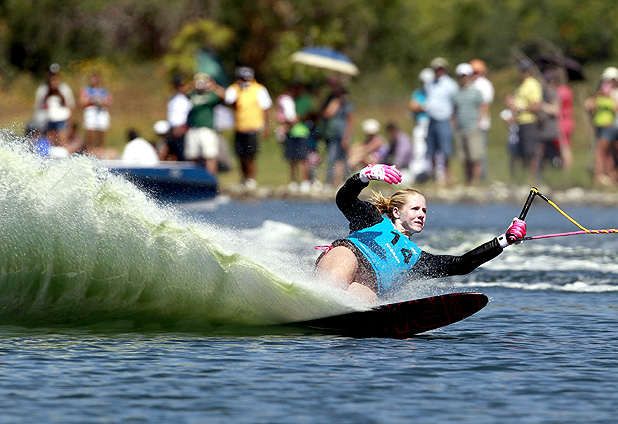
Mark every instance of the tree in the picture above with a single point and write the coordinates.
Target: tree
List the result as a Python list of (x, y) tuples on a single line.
[(399, 35)]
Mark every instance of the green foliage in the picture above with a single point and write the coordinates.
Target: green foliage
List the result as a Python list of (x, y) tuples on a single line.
[(39, 32), (42, 32), (263, 33)]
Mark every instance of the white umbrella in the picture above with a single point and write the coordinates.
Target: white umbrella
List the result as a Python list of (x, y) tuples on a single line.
[(325, 58)]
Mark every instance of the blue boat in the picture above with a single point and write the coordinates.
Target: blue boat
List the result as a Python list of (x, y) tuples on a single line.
[(169, 181)]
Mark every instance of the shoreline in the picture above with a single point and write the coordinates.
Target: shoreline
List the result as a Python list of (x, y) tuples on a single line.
[(494, 193)]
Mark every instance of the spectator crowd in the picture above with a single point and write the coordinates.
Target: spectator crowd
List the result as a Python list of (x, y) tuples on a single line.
[(451, 120)]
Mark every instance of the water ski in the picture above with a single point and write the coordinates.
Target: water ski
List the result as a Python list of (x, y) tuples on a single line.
[(404, 319)]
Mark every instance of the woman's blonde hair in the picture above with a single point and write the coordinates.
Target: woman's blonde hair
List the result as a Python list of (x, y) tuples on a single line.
[(397, 200)]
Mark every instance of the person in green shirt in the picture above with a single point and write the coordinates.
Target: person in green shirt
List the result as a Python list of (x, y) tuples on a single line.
[(202, 141), (305, 97)]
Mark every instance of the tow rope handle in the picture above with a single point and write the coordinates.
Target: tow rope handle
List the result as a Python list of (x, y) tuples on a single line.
[(533, 192)]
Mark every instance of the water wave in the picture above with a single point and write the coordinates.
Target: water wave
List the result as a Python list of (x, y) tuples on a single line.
[(574, 287), (79, 245)]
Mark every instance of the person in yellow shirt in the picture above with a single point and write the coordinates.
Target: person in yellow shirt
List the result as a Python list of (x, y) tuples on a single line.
[(603, 109), (525, 105), (251, 102)]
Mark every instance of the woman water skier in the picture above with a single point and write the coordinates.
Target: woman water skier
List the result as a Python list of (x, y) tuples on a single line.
[(378, 255)]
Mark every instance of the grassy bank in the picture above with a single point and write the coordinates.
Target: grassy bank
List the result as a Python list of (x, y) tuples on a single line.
[(141, 92)]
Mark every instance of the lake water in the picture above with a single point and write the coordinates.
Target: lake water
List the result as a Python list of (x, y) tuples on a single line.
[(115, 309)]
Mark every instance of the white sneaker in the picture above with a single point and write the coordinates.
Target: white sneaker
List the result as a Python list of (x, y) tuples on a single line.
[(293, 187), (316, 185), (305, 187), (250, 184), (327, 188)]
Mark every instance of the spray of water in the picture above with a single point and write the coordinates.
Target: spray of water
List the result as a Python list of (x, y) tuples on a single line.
[(79, 245)]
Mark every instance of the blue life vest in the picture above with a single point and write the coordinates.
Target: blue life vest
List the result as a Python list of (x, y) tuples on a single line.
[(390, 253)]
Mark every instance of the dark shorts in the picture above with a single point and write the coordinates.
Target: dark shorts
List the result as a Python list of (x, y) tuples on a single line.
[(246, 144), (528, 140), (176, 146), (296, 148), (607, 133), (56, 126)]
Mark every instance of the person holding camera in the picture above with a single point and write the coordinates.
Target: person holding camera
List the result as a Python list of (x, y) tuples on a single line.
[(202, 142), (251, 103)]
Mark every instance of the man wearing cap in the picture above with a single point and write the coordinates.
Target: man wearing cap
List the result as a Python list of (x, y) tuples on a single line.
[(525, 105), (202, 142), (439, 108), (482, 84), (469, 108), (251, 102)]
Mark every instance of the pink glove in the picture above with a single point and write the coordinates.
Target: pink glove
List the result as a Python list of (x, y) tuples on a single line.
[(516, 232), (387, 173)]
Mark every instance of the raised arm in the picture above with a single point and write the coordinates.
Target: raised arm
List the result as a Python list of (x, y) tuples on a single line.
[(360, 213)]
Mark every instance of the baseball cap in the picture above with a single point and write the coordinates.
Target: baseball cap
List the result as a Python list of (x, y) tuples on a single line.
[(245, 73), (426, 75), (161, 127), (371, 126), (525, 65), (201, 76), (438, 62), (609, 74), (464, 69)]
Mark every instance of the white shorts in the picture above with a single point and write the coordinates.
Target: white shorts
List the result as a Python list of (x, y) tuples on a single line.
[(201, 143), (96, 118)]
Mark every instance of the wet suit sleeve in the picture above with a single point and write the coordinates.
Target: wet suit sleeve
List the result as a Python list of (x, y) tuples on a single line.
[(434, 266), (359, 213), (362, 214)]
